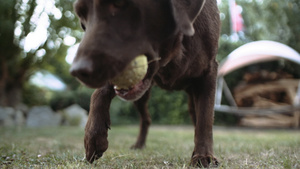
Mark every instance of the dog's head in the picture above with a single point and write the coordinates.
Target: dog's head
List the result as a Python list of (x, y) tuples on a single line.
[(116, 31)]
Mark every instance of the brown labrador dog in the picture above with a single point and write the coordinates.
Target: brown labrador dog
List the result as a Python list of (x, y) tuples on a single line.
[(180, 40)]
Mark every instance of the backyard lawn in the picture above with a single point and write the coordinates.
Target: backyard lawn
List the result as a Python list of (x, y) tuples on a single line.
[(167, 147)]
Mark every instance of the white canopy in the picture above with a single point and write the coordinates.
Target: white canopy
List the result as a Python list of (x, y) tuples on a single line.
[(255, 52)]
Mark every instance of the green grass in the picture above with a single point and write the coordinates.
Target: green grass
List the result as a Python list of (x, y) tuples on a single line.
[(167, 147)]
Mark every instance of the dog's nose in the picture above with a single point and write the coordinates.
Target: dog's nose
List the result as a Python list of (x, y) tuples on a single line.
[(82, 69)]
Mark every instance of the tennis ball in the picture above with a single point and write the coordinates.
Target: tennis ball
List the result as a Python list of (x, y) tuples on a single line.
[(133, 73)]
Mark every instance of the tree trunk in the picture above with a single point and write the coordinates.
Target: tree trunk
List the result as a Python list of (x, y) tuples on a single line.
[(10, 95), (10, 89)]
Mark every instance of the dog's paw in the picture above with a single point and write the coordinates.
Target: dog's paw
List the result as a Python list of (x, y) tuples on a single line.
[(95, 146), (204, 161)]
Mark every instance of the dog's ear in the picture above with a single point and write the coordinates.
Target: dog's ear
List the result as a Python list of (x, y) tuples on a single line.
[(185, 12)]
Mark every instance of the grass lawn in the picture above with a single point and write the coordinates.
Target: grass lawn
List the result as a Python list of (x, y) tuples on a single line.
[(167, 147)]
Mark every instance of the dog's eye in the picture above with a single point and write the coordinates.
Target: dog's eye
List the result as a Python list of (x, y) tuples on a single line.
[(119, 3)]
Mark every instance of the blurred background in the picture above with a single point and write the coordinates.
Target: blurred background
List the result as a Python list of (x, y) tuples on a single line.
[(38, 40)]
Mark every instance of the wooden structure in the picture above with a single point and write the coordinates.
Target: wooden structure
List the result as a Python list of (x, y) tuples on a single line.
[(272, 104)]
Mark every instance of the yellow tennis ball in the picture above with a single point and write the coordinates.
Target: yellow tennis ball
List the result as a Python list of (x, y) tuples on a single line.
[(133, 73)]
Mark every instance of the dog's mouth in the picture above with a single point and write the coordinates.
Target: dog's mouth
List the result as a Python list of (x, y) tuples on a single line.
[(136, 90)]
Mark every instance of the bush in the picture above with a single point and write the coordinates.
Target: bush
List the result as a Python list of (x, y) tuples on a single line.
[(63, 99), (123, 112), (165, 107), (33, 95), (168, 107)]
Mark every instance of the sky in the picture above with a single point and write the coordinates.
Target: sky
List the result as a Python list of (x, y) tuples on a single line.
[(48, 80)]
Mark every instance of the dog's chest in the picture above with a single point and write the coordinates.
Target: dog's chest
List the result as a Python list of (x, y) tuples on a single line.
[(170, 76)]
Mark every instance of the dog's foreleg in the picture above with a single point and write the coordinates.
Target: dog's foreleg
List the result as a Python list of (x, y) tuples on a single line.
[(145, 120), (95, 140), (202, 94)]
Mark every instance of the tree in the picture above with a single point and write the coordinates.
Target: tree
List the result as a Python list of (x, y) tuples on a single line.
[(263, 20), (18, 20)]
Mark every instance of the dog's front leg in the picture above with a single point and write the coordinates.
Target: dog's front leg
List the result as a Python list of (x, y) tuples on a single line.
[(95, 140), (145, 120), (201, 97)]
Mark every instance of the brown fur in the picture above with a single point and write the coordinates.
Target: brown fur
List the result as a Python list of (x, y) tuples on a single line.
[(118, 30)]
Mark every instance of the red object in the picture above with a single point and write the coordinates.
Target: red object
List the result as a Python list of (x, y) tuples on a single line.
[(236, 17)]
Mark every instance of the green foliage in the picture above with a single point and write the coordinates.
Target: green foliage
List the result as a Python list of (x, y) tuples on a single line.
[(165, 107), (22, 16), (20, 19), (225, 119), (34, 95), (62, 99), (226, 47), (272, 20), (263, 20), (123, 112), (169, 107)]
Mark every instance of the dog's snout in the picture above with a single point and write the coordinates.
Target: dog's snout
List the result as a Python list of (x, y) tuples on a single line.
[(82, 69)]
